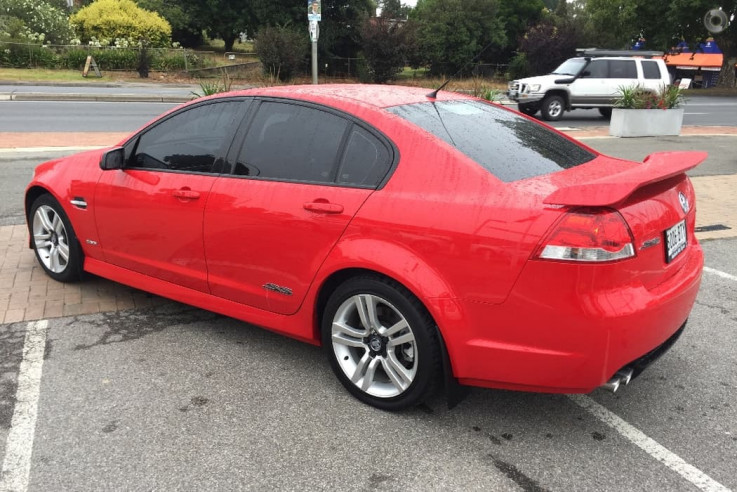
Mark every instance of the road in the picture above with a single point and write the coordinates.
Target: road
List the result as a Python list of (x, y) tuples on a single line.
[(168, 397)]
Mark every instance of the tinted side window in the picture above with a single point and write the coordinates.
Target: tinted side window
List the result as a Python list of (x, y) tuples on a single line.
[(292, 142), (598, 69), (651, 69), (366, 160), (622, 69), (188, 141)]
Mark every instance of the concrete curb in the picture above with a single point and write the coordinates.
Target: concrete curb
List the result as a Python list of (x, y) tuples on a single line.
[(45, 96)]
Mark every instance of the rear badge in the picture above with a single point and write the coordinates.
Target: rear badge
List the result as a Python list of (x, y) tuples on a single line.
[(684, 202), (650, 243)]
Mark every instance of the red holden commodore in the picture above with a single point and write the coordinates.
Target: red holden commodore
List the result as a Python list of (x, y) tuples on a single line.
[(420, 238)]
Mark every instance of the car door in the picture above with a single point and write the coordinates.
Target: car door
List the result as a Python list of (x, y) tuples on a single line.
[(149, 214), (592, 86), (298, 178)]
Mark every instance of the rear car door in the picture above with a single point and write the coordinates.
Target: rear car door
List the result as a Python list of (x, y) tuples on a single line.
[(149, 214), (300, 172)]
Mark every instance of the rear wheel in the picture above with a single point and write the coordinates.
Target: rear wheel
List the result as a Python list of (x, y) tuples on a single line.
[(381, 342), (605, 112), (552, 108), (54, 242)]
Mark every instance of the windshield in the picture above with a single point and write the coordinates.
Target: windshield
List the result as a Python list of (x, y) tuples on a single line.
[(570, 67), (506, 144)]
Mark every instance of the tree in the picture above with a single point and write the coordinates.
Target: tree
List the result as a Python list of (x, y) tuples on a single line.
[(186, 28), (226, 19), (517, 16), (454, 33), (547, 44), (35, 20), (385, 42), (339, 29)]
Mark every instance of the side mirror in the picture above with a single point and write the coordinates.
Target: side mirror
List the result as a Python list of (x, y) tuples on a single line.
[(112, 159)]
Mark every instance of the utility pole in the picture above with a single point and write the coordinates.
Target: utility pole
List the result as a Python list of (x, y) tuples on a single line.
[(314, 16)]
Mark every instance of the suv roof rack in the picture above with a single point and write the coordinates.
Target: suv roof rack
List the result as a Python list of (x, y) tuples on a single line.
[(594, 52)]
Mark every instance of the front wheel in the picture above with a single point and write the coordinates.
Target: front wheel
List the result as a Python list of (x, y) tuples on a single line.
[(528, 109), (553, 108), (381, 343), (54, 241)]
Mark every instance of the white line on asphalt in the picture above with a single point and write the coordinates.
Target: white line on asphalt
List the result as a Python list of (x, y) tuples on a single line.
[(19, 447), (650, 446), (720, 273)]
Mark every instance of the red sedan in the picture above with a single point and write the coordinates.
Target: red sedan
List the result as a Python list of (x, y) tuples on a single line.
[(418, 237)]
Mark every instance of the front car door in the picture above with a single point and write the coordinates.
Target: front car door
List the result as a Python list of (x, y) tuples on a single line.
[(592, 86), (299, 176), (149, 214)]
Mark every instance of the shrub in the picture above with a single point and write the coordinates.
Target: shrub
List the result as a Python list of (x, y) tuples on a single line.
[(27, 56), (43, 21), (107, 20), (281, 51), (637, 97)]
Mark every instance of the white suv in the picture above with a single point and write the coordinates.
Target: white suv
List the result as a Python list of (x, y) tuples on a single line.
[(589, 81)]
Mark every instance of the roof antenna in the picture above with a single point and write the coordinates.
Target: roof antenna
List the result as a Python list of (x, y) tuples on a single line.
[(434, 94)]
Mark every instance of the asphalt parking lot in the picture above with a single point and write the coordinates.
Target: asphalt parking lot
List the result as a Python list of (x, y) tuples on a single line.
[(155, 395)]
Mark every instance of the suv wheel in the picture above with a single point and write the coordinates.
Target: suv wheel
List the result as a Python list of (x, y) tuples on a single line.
[(553, 108), (605, 112), (528, 109)]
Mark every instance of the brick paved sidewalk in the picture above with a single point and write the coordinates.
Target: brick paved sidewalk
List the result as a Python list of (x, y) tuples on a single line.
[(27, 293)]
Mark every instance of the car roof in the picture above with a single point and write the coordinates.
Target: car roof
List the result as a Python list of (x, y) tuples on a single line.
[(377, 96)]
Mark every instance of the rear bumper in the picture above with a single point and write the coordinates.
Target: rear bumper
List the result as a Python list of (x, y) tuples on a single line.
[(569, 333)]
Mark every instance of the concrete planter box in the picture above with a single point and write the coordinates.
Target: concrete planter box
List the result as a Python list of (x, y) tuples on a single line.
[(645, 122)]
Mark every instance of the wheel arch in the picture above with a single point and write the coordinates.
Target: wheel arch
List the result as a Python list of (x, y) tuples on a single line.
[(32, 194), (562, 93)]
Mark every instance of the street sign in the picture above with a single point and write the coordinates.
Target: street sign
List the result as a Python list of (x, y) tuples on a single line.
[(314, 31), (314, 10)]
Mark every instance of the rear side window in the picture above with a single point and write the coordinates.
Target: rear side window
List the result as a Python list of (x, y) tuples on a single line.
[(366, 160), (622, 69), (507, 145), (651, 69), (292, 142)]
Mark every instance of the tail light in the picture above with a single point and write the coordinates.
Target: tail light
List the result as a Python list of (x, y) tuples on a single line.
[(588, 235)]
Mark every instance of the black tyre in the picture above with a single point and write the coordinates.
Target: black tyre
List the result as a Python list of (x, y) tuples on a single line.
[(528, 109), (605, 112), (553, 108), (381, 343), (54, 242)]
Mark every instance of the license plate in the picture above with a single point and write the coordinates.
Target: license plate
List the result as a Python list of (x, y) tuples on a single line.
[(675, 241)]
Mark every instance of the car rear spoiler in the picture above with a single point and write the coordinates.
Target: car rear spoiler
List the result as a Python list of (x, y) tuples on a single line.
[(615, 188)]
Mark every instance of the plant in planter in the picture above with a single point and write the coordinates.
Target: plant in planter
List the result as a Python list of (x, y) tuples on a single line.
[(641, 113)]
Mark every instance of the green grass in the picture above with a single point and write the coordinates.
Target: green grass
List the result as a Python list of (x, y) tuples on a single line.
[(47, 75)]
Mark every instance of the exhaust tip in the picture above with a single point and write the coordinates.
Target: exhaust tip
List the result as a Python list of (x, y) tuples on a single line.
[(625, 376), (611, 385)]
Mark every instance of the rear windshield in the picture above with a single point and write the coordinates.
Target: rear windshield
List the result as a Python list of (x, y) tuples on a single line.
[(507, 145)]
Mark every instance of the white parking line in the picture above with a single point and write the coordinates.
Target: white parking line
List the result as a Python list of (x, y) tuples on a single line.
[(19, 447), (650, 446), (720, 273)]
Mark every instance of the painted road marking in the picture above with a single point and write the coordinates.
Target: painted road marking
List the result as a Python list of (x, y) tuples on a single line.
[(19, 447), (650, 446), (720, 273)]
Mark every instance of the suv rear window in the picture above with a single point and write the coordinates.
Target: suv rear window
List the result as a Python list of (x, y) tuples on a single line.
[(651, 70), (509, 146)]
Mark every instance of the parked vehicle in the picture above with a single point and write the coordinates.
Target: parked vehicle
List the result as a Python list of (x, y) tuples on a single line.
[(419, 238), (589, 81)]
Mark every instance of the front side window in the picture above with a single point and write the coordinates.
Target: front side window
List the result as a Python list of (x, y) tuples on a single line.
[(188, 141), (507, 145), (597, 69), (293, 143)]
